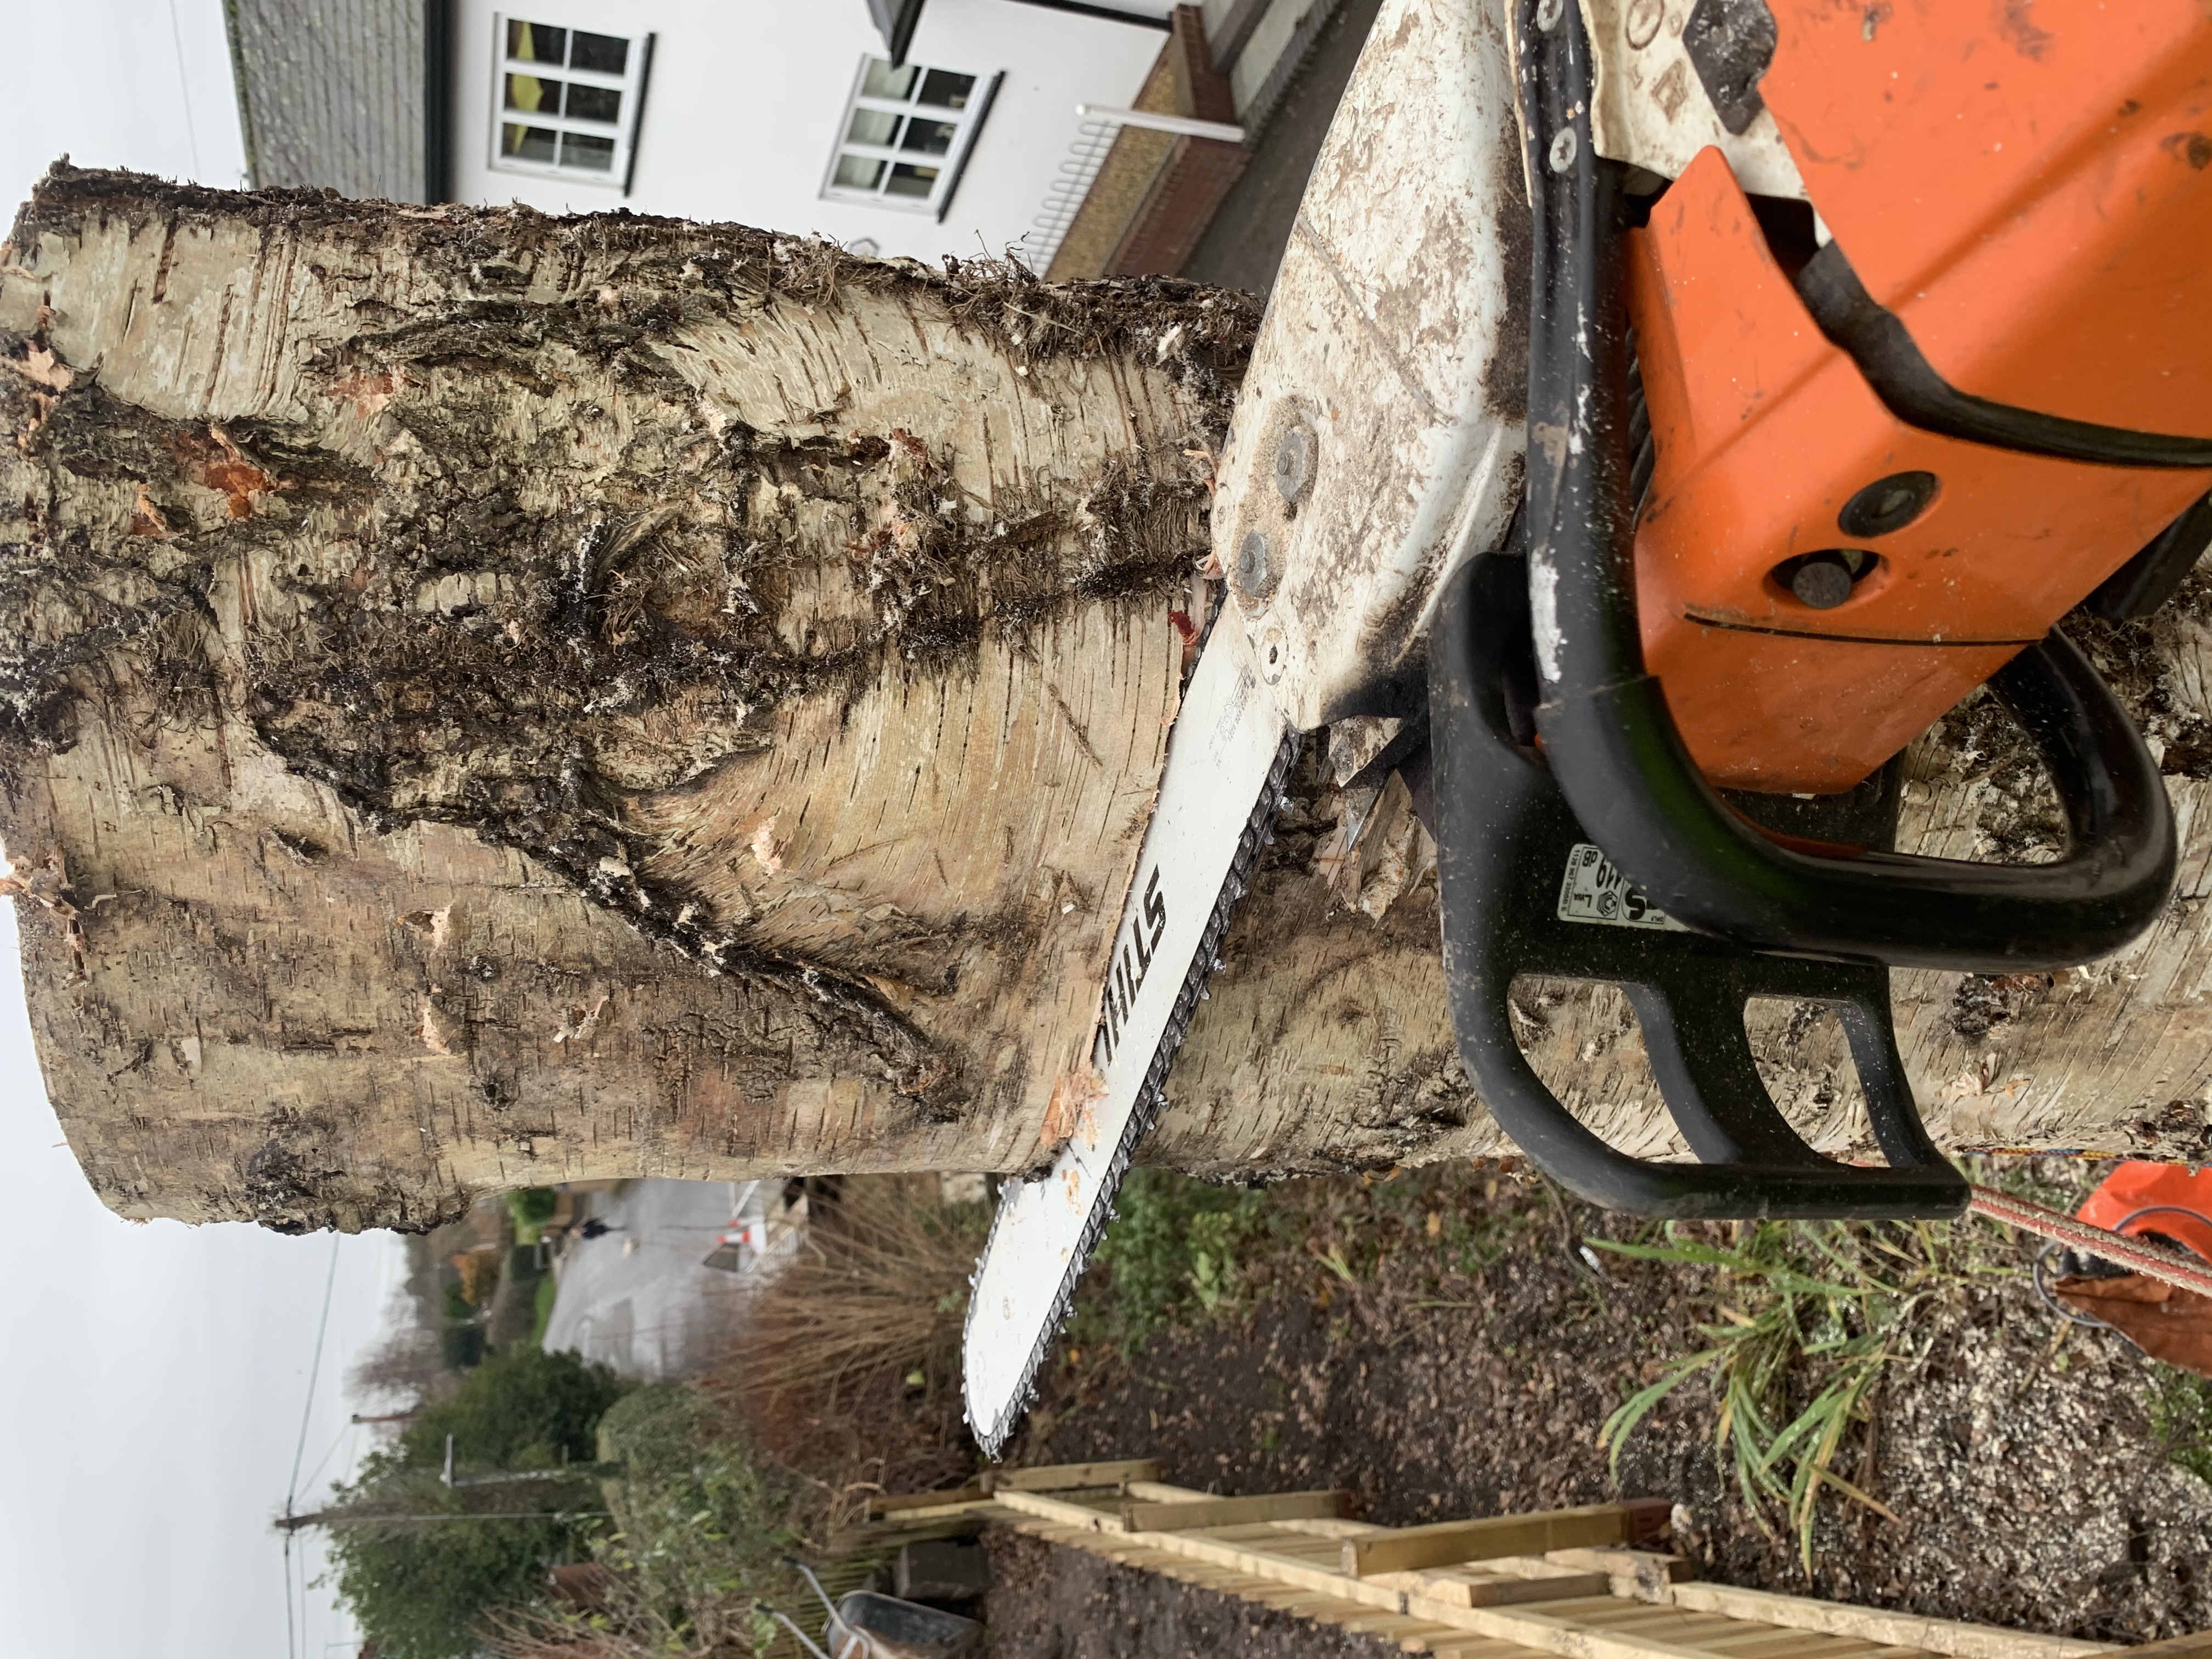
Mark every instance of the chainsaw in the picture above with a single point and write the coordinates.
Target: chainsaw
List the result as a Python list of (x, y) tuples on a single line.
[(1666, 411)]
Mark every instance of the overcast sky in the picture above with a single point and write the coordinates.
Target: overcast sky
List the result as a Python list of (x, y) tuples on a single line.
[(155, 1380)]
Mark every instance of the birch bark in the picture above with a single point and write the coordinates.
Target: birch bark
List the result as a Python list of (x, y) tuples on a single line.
[(491, 700)]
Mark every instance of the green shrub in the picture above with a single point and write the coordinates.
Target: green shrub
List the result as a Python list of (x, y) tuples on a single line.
[(530, 1208), (510, 1322), (532, 1204), (423, 1587), (703, 1521), (1174, 1244), (521, 1409), (542, 1309), (700, 1520), (462, 1347)]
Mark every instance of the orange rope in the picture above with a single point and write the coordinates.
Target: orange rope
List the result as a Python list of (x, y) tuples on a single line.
[(2176, 1267)]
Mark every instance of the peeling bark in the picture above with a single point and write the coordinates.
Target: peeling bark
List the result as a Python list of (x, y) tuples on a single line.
[(487, 699)]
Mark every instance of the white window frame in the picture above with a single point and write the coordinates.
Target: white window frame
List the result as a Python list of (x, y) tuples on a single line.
[(950, 166), (630, 83)]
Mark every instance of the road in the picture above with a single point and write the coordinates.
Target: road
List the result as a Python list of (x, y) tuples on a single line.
[(637, 1297), (1244, 244)]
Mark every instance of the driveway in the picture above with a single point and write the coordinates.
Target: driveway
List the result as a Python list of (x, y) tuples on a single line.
[(638, 1298)]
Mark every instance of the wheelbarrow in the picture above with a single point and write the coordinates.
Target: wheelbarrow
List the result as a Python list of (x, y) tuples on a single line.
[(867, 1625)]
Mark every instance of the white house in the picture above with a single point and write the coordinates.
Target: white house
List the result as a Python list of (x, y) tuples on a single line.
[(916, 127)]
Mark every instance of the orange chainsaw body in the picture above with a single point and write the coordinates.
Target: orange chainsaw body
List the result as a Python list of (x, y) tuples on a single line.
[(2028, 191)]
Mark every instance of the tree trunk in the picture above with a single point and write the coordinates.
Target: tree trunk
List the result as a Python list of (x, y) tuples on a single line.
[(492, 699)]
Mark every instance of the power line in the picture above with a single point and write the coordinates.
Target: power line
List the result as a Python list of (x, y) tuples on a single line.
[(324, 1461), (314, 1371), (307, 1611), (299, 1450), (291, 1639), (191, 127)]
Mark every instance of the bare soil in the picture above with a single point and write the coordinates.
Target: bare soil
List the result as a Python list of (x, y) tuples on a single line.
[(1467, 1365), (1054, 1602)]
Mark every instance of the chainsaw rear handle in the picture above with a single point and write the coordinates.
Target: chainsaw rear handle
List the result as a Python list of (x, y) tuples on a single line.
[(1611, 740)]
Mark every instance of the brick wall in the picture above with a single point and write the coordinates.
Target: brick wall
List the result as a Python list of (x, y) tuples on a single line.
[(1156, 192)]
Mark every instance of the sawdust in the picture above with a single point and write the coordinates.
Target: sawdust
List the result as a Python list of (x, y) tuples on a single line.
[(2153, 666)]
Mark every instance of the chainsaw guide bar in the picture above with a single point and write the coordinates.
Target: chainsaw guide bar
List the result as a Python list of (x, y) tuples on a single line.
[(1229, 744)]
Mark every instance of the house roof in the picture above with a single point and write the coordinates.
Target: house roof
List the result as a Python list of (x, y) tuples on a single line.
[(894, 21), (344, 94)]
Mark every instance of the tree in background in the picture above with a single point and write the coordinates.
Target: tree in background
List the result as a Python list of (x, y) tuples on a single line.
[(422, 1587), (522, 1409), (405, 1365)]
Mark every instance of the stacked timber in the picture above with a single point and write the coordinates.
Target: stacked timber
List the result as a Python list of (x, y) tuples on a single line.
[(1594, 1583)]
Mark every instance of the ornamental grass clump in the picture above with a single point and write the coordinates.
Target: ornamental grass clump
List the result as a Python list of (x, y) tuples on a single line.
[(1805, 1308)]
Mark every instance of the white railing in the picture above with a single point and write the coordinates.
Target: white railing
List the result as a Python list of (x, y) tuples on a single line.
[(1063, 198), (1186, 126)]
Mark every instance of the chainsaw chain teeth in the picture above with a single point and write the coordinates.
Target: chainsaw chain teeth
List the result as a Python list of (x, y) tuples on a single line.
[(1205, 961)]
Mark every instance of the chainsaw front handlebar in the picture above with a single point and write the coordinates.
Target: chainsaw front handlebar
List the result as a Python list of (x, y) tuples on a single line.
[(1622, 764), (1612, 743), (1504, 840)]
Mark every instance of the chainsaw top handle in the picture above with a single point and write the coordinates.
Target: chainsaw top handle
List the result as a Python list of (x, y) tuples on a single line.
[(1610, 739)]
